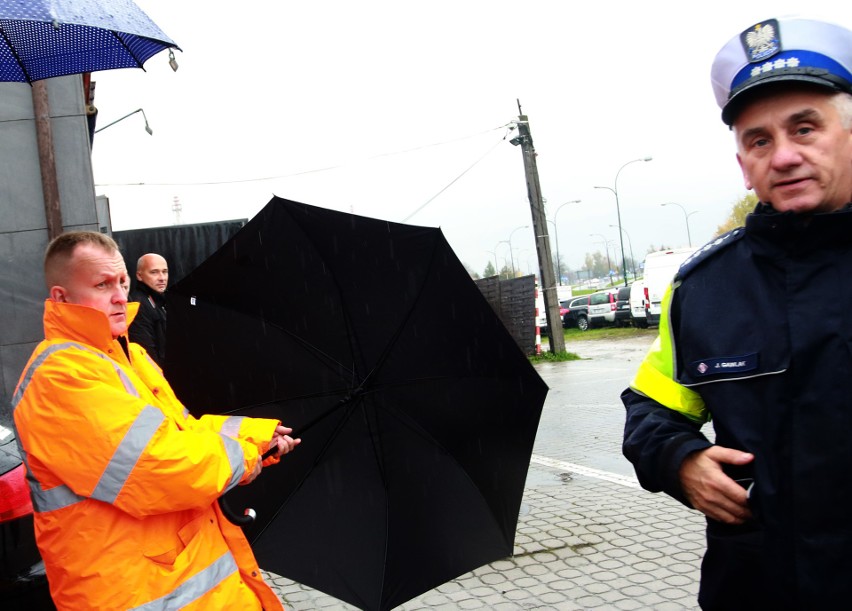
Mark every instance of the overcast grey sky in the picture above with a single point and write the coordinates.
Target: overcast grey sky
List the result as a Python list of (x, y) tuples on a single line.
[(399, 110)]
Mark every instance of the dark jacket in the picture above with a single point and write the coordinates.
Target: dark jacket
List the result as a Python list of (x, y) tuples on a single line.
[(760, 327), (149, 327)]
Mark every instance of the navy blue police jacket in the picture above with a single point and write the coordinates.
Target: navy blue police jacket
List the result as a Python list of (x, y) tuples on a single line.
[(760, 327)]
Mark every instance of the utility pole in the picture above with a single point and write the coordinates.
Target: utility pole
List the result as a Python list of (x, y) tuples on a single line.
[(47, 159), (547, 281)]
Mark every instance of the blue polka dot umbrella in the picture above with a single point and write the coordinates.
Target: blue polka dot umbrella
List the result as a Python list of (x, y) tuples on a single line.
[(42, 39)]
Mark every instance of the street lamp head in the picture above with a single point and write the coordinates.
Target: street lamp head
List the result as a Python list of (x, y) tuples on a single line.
[(648, 158)]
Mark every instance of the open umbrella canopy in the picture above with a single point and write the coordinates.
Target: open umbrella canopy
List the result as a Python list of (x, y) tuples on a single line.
[(41, 39), (417, 410)]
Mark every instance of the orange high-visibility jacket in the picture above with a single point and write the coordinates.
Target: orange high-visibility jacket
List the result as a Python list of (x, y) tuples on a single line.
[(124, 481)]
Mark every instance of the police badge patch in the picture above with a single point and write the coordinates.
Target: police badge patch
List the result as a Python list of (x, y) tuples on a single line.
[(762, 40)]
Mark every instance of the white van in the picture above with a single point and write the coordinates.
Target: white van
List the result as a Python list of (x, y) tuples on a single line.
[(638, 316), (660, 268)]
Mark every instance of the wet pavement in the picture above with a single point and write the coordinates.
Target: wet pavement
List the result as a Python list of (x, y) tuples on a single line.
[(588, 536)]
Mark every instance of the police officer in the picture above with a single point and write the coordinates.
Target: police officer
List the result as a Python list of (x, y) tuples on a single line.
[(756, 335)]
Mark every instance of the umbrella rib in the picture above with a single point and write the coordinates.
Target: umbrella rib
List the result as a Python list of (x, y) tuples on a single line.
[(15, 54), (321, 355), (415, 426), (395, 337), (126, 48), (378, 455), (320, 455), (346, 315)]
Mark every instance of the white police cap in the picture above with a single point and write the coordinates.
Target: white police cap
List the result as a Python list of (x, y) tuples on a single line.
[(783, 49)]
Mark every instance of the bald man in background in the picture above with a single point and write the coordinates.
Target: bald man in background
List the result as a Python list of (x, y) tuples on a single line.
[(149, 327)]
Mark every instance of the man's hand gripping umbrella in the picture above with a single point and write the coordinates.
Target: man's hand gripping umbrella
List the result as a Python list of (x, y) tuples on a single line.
[(281, 444)]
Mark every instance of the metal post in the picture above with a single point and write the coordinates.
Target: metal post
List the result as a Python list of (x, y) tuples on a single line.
[(618, 212), (511, 255), (685, 218), (630, 244), (606, 248), (556, 231)]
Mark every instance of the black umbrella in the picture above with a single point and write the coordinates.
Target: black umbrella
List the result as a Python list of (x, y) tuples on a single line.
[(417, 410)]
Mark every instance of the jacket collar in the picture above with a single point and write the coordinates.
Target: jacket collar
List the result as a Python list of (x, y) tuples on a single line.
[(158, 298), (82, 324), (800, 232)]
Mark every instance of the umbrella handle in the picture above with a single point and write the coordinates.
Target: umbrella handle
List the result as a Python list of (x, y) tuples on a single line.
[(249, 514), (240, 520)]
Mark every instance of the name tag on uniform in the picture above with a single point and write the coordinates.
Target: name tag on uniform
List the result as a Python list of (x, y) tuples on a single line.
[(724, 364)]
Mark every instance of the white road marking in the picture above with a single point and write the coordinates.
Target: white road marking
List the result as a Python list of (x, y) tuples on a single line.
[(615, 478)]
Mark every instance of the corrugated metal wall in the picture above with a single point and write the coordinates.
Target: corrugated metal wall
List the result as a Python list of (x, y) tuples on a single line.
[(23, 228)]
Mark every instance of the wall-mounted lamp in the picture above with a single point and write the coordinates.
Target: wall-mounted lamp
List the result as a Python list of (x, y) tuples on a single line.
[(147, 127)]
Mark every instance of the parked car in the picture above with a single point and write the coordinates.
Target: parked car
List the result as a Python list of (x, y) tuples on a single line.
[(602, 307), (23, 583), (622, 306), (576, 313), (541, 319), (638, 303)]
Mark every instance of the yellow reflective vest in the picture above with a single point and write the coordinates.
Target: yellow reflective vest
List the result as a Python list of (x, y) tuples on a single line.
[(125, 482)]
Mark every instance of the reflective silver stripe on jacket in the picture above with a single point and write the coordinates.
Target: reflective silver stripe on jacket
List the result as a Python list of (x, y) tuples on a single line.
[(124, 458), (48, 500), (41, 358), (231, 426), (127, 454), (235, 458), (230, 431), (195, 587), (59, 496)]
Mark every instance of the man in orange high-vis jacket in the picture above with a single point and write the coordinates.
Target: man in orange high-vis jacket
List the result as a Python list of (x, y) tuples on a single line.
[(124, 481)]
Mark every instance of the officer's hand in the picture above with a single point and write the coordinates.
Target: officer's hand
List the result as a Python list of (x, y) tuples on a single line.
[(710, 490)]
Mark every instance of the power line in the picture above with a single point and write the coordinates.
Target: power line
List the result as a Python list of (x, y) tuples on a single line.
[(291, 175), (453, 181)]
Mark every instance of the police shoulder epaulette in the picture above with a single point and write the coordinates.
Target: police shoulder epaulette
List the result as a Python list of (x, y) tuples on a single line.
[(708, 250)]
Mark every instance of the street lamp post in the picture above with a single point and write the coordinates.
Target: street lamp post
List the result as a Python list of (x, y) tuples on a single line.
[(606, 248), (558, 263), (685, 218), (630, 245), (618, 211), (511, 254), (494, 252), (556, 232), (504, 258)]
